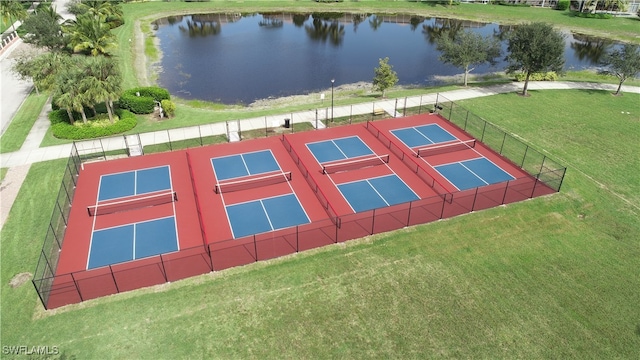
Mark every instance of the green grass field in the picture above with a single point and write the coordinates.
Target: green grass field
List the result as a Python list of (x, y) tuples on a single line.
[(22, 122), (553, 277)]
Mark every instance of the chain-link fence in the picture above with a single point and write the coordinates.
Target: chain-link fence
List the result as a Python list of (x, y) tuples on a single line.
[(538, 165), (545, 177)]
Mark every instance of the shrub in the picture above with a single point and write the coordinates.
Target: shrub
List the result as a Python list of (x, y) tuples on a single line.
[(145, 103), (509, 3), (563, 5), (58, 116), (592, 16), (169, 107), (548, 76), (137, 104), (97, 127)]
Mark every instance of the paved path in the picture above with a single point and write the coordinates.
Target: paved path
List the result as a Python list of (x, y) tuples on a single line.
[(31, 152)]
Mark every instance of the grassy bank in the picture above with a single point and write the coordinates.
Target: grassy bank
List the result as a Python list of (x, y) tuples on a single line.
[(553, 277)]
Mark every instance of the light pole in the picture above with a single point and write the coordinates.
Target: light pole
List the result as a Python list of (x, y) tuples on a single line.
[(332, 81)]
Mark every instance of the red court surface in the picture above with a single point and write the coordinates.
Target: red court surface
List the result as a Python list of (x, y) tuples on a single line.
[(73, 281), (326, 182), (204, 229)]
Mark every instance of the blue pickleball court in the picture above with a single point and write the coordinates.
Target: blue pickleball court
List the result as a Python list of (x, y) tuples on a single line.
[(239, 165), (132, 241), (264, 215), (376, 192), (473, 173), (424, 135), (135, 182), (339, 149)]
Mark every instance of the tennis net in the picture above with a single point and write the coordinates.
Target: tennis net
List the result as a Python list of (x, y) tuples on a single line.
[(238, 185), (330, 168), (132, 204), (446, 148)]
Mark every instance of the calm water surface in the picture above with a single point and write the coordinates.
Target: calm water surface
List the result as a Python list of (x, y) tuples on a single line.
[(233, 58)]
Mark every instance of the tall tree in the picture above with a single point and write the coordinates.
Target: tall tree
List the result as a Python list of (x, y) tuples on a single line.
[(385, 77), (468, 50), (12, 11), (623, 63), (67, 92), (107, 11), (44, 30), (102, 82), (535, 47), (42, 69), (88, 33)]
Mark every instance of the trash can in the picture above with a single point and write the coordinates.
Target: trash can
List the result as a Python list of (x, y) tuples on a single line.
[(287, 123)]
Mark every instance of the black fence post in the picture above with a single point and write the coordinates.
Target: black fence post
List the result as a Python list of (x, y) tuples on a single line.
[(164, 271), (506, 189), (504, 137), (39, 295), (373, 221), (409, 214), (524, 156), (76, 286), (113, 276), (475, 196), (255, 247)]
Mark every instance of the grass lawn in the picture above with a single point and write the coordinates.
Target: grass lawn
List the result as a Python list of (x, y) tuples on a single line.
[(22, 122), (553, 277), (3, 173)]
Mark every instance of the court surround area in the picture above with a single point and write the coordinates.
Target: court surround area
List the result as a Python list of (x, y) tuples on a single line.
[(146, 220)]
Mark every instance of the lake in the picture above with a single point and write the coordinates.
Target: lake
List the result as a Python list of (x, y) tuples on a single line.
[(239, 58)]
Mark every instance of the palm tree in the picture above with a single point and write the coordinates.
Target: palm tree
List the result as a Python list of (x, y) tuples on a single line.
[(105, 11), (12, 11), (88, 33), (102, 82), (67, 92)]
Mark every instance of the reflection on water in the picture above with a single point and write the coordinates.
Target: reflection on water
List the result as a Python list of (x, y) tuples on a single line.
[(238, 58)]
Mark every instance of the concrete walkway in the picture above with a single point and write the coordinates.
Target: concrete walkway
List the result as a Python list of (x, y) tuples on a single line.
[(32, 153)]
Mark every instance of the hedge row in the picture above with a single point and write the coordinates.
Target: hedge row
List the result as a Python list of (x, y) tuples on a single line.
[(95, 128), (142, 100), (548, 76)]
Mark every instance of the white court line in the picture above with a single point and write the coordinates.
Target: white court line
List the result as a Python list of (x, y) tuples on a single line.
[(93, 225), (266, 214), (376, 190), (474, 174), (173, 204)]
